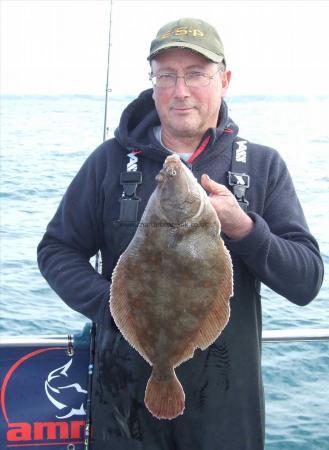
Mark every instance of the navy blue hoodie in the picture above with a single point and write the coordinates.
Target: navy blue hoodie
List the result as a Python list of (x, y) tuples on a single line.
[(223, 386)]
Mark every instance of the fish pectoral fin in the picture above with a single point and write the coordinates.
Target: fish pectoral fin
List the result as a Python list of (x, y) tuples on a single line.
[(214, 230), (173, 237)]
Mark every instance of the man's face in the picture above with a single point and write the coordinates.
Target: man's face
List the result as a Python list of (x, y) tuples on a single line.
[(188, 111)]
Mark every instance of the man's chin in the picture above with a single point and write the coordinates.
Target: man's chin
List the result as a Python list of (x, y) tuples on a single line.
[(185, 132), (185, 129)]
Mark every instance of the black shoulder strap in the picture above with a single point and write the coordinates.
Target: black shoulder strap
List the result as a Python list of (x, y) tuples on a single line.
[(238, 177), (129, 180)]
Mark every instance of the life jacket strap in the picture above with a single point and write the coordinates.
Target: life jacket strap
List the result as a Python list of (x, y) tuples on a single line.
[(130, 180), (238, 178)]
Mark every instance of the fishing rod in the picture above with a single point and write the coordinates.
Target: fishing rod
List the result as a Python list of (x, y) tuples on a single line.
[(98, 262), (107, 89)]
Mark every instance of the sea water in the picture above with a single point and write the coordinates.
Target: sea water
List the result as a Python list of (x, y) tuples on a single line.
[(45, 140)]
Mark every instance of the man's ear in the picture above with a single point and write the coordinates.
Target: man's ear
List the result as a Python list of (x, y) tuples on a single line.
[(226, 79)]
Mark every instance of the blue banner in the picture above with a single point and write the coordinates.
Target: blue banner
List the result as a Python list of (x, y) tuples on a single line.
[(43, 396)]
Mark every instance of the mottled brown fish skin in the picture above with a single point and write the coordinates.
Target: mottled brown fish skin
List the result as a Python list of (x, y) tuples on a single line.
[(171, 288)]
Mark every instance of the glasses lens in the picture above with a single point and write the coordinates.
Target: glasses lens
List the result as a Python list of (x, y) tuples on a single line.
[(196, 79), (164, 80)]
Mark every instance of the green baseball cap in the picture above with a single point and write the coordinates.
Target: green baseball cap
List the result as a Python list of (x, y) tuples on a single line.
[(193, 34)]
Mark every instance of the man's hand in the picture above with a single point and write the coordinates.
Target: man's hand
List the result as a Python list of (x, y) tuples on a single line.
[(236, 224)]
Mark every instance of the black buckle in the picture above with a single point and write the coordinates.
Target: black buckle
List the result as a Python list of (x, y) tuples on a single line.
[(240, 182), (130, 181), (239, 179)]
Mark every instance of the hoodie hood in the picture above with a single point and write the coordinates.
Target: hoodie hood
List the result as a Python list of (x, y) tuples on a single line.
[(135, 129)]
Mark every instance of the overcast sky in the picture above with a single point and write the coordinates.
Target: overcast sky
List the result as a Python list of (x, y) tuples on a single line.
[(60, 46)]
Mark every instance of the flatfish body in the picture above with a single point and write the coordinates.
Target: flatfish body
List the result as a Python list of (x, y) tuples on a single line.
[(171, 288)]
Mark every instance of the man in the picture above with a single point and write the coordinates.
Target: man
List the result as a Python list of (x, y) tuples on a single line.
[(269, 242)]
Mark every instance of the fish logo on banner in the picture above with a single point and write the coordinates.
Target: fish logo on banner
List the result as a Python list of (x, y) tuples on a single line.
[(53, 392)]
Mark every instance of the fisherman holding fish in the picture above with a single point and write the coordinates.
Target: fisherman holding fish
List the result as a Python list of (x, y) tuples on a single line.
[(190, 219)]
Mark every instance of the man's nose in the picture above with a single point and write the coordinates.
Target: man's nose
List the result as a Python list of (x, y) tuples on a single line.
[(181, 90)]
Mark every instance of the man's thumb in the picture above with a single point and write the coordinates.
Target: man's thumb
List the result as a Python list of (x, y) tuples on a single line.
[(210, 185)]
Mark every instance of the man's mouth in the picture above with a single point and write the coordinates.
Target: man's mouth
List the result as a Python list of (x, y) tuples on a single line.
[(182, 109)]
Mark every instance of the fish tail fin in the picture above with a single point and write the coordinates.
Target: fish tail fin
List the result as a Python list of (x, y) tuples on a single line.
[(164, 398)]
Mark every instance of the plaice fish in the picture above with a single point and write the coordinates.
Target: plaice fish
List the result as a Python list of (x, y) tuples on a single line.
[(171, 288)]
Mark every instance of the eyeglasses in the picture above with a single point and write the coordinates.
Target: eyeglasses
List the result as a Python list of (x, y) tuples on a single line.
[(191, 79)]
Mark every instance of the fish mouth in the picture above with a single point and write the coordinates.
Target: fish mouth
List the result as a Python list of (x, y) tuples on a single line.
[(171, 168), (174, 158)]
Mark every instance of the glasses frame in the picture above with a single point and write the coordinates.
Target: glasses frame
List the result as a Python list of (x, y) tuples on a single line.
[(210, 77)]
